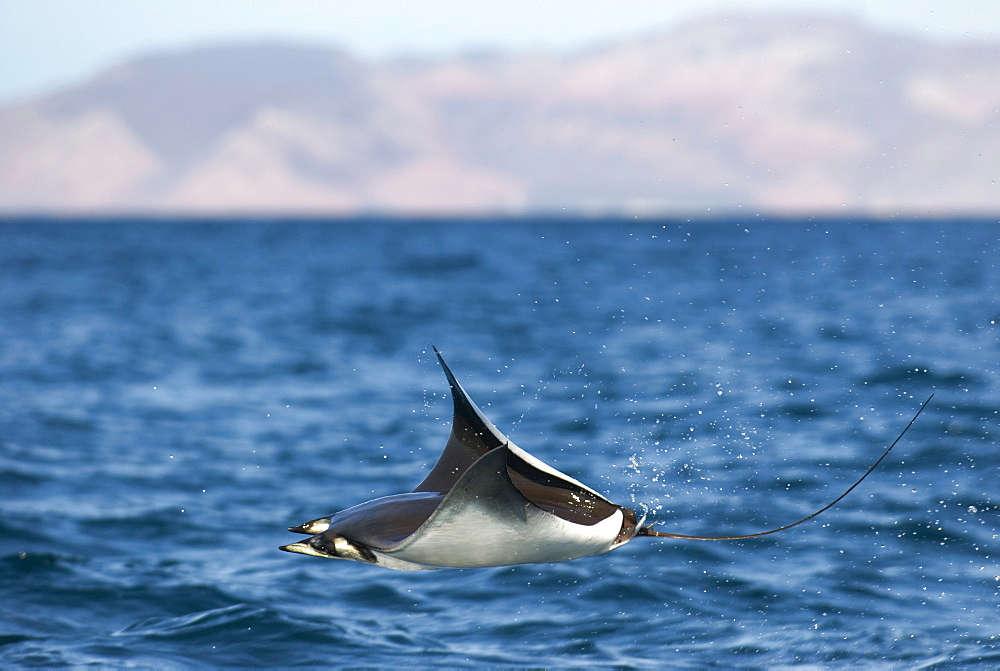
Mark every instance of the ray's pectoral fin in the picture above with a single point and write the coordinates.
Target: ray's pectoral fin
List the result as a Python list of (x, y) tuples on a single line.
[(482, 508), (472, 436), (485, 490)]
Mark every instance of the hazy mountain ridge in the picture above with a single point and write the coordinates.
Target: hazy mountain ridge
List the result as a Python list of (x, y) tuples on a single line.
[(777, 113)]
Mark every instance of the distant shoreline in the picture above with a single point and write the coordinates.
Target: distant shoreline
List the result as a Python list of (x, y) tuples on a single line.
[(472, 219)]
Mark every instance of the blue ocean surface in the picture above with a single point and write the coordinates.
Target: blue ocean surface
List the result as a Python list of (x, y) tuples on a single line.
[(174, 394)]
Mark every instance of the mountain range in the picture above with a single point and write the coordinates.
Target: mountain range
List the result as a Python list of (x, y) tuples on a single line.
[(771, 113)]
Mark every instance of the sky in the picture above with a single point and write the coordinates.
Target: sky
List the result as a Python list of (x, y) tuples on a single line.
[(45, 44)]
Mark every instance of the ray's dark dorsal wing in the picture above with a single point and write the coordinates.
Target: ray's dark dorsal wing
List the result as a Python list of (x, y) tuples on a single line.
[(472, 436), (556, 492)]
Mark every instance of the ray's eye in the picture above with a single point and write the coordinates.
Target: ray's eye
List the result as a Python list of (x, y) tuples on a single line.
[(324, 545)]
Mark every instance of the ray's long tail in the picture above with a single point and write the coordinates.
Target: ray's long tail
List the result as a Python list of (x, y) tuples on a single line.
[(649, 531)]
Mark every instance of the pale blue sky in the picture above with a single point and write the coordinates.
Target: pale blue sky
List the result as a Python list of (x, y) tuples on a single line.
[(47, 43)]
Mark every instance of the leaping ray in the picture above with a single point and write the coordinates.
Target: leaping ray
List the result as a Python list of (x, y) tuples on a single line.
[(487, 502)]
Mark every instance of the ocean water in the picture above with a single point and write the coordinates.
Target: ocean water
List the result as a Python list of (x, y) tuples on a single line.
[(174, 394)]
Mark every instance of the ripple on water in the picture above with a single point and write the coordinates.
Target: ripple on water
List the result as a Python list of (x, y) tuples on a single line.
[(175, 394)]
